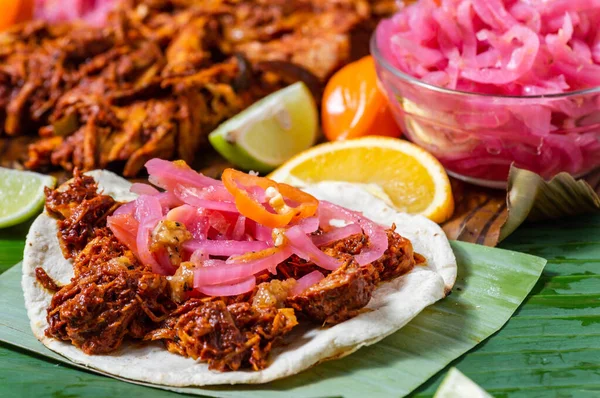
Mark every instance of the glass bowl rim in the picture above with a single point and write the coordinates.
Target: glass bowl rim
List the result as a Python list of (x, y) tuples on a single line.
[(380, 59)]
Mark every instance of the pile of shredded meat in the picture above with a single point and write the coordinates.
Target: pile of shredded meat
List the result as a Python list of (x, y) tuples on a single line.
[(162, 74), (113, 296)]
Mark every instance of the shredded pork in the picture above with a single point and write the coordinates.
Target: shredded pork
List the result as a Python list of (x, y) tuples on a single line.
[(162, 74), (113, 296)]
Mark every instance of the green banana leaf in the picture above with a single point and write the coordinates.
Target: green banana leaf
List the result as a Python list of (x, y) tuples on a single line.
[(491, 285), (550, 347), (12, 243)]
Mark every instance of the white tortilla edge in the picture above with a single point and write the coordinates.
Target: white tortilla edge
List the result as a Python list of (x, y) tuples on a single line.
[(393, 305)]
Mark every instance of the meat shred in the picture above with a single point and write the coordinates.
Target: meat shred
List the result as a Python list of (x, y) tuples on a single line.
[(45, 280), (226, 337), (106, 303), (113, 296), (60, 203), (345, 291), (163, 74), (81, 213), (340, 295)]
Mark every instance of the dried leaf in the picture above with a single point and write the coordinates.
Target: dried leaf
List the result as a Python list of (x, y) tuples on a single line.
[(488, 216), (533, 199)]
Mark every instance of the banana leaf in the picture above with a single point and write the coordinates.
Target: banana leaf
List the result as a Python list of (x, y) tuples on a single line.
[(550, 347), (491, 285), (12, 243)]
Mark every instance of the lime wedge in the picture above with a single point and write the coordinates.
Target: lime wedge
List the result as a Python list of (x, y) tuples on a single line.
[(21, 195), (457, 385), (270, 131)]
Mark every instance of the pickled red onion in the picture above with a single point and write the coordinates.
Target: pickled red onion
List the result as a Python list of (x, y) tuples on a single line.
[(225, 247), (168, 200), (184, 214), (195, 220), (500, 48), (336, 234), (126, 208), (143, 189), (214, 192), (148, 213), (218, 230), (240, 287), (378, 241), (305, 282), (94, 12), (164, 260), (223, 272), (124, 226), (218, 222), (309, 225), (239, 228), (168, 175), (261, 232), (198, 257), (459, 32), (304, 248), (193, 196)]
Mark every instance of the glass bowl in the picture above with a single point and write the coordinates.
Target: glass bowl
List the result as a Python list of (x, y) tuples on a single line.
[(478, 136)]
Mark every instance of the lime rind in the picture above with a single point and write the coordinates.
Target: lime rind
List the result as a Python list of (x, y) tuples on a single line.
[(457, 385), (237, 155), (270, 131), (21, 195)]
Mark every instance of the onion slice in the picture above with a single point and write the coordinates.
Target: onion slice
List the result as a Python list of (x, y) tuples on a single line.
[(234, 289), (262, 233), (143, 189), (230, 272), (225, 247), (126, 208), (168, 200), (168, 175), (378, 241), (148, 213), (124, 226), (93, 12), (309, 225), (304, 248), (193, 197), (305, 282), (239, 228), (198, 257), (337, 234)]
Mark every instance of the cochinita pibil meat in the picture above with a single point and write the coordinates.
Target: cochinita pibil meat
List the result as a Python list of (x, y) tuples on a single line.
[(114, 298), (161, 74)]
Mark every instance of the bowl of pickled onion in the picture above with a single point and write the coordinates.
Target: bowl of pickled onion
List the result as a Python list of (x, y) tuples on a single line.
[(483, 84)]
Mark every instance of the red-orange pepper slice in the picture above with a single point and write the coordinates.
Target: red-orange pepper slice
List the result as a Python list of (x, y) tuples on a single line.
[(237, 183)]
